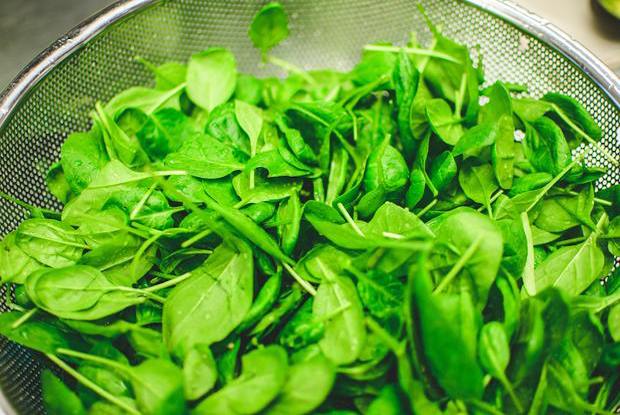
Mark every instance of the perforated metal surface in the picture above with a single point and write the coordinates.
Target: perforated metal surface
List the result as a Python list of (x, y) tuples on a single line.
[(325, 33)]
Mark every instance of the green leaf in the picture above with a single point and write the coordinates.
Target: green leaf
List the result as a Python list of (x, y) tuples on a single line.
[(337, 301), (211, 77), (15, 264), (478, 182), (269, 27), (50, 242), (250, 119), (264, 373), (38, 335), (530, 110), (475, 139), (443, 122), (212, 303), (289, 214), (199, 372), (417, 185), (545, 146), (443, 170), (58, 399), (264, 301), (494, 352), (158, 386), (406, 80), (164, 132), (613, 322), (380, 292), (78, 292), (572, 268), (388, 402), (307, 386), (247, 227), (504, 152), (573, 110), (82, 156), (479, 272), (448, 322), (205, 157), (146, 100)]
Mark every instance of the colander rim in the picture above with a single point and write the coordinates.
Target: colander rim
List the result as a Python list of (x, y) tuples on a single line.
[(506, 10)]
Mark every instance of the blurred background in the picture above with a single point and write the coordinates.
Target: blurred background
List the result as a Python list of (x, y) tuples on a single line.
[(29, 26)]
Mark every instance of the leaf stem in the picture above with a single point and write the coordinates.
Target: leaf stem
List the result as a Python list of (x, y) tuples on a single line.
[(140, 291), (471, 250), (91, 385), (23, 318), (138, 207), (200, 235), (553, 182), (397, 348), (601, 202), (349, 219), (511, 392), (427, 208), (458, 105), (169, 283), (484, 407), (93, 358), (491, 200), (291, 68), (412, 51), (304, 284), (571, 241), (28, 206)]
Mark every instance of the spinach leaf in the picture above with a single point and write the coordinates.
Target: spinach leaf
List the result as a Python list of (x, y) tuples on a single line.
[(570, 109), (38, 335), (306, 387), (478, 182), (449, 322), (269, 27), (475, 139), (264, 373), (15, 264), (388, 402), (199, 371), (477, 235), (213, 302), (205, 157), (337, 301), (82, 156), (158, 386), (211, 77), (572, 268), (443, 170), (50, 242), (406, 80), (443, 122), (545, 146), (164, 132), (494, 353), (58, 398)]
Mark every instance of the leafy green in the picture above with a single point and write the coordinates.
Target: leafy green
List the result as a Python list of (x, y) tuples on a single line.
[(269, 27), (211, 77), (405, 237)]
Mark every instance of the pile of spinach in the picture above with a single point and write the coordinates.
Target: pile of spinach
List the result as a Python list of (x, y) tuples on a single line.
[(394, 239)]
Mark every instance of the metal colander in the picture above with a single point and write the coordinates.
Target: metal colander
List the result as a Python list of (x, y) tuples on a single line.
[(53, 96)]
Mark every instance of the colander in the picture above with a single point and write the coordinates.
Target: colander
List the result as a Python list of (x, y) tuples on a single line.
[(54, 94)]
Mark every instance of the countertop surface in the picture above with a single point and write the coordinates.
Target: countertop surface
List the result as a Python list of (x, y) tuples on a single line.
[(29, 26)]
